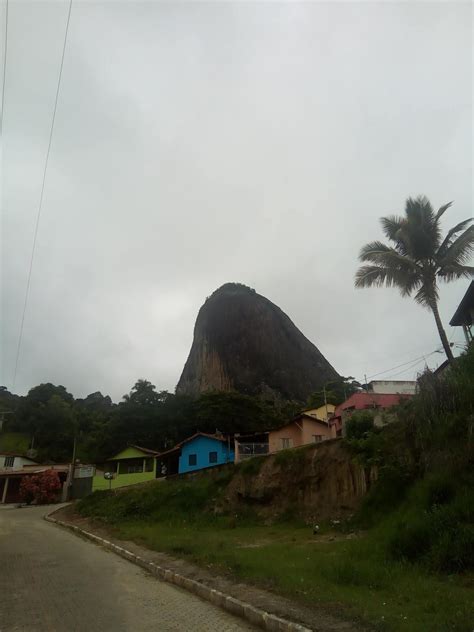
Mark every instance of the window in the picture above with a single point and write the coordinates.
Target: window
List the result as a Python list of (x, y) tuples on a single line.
[(9, 461), (317, 438), (135, 469), (192, 459), (212, 457), (285, 443)]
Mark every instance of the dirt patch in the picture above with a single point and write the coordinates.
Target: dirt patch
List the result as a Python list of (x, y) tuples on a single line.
[(318, 618)]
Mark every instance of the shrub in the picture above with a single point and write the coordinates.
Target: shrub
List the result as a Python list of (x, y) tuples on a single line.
[(411, 540), (40, 488), (384, 497), (359, 425), (251, 467), (437, 528)]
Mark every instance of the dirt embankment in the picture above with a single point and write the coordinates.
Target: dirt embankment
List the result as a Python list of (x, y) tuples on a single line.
[(316, 482)]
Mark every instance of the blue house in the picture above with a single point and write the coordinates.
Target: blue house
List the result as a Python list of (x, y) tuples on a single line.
[(204, 450)]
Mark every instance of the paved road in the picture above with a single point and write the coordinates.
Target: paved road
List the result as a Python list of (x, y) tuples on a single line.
[(54, 581)]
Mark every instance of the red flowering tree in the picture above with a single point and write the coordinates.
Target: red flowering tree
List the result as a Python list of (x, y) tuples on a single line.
[(41, 488)]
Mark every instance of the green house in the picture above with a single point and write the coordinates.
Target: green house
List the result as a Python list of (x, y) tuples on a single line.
[(129, 467)]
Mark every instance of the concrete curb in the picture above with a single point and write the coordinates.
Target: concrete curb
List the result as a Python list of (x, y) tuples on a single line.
[(254, 615)]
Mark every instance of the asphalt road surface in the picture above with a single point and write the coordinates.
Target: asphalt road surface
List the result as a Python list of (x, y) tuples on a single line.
[(54, 581)]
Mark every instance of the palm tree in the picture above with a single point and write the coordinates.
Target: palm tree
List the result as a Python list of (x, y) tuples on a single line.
[(419, 257)]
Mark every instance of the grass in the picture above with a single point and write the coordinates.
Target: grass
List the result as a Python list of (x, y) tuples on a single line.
[(369, 577), (393, 596), (14, 442)]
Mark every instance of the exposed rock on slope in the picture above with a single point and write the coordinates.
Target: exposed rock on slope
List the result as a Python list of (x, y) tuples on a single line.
[(315, 482), (244, 342)]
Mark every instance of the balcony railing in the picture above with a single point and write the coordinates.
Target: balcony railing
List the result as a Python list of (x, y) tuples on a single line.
[(248, 450)]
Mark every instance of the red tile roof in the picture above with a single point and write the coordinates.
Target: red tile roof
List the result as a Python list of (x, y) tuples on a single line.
[(363, 400)]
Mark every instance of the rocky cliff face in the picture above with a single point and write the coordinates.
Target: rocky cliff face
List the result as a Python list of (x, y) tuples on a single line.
[(244, 342)]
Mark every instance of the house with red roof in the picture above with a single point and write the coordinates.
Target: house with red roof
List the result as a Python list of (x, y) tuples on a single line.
[(378, 403)]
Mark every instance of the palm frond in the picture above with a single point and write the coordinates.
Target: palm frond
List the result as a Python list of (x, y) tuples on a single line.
[(448, 240), (454, 272), (443, 209), (379, 275), (381, 254), (391, 226), (422, 232), (427, 295), (460, 251)]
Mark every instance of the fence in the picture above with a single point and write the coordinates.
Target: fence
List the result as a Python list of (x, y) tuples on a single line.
[(248, 450)]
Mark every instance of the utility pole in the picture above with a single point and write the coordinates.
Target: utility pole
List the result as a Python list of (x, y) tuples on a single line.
[(73, 466), (326, 402)]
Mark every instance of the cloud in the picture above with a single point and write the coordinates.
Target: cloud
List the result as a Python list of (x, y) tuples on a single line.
[(202, 143)]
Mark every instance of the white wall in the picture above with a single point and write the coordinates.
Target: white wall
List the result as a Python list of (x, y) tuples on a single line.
[(18, 461), (390, 387)]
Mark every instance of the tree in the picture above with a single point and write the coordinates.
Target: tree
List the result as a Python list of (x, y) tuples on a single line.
[(143, 393), (360, 424), (419, 256), (334, 392)]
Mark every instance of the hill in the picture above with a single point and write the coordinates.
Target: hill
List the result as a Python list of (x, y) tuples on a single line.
[(244, 342)]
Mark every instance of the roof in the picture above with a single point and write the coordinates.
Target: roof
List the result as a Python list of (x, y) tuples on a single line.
[(119, 456), (299, 416), (363, 400), (33, 469), (464, 313), (145, 450), (202, 434), (191, 438)]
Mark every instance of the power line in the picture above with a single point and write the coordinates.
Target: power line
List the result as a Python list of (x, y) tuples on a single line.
[(408, 365), (412, 366), (4, 69), (40, 205), (400, 365)]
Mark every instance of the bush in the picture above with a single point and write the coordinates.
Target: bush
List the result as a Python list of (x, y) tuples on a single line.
[(385, 496), (359, 425), (251, 467), (437, 528), (40, 488)]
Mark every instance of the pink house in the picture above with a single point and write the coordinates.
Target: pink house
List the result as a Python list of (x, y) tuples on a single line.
[(378, 403), (302, 430)]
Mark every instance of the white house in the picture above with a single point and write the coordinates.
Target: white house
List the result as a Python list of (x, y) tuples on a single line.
[(14, 461), (392, 387)]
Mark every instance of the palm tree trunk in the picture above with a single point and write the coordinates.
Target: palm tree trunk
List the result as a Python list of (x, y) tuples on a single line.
[(442, 333)]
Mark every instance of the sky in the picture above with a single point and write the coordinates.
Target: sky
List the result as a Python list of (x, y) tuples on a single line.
[(200, 143)]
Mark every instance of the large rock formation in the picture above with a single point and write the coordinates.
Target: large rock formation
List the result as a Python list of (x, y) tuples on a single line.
[(244, 342)]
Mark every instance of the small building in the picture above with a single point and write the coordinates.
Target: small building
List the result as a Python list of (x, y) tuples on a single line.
[(378, 403), (14, 460), (392, 387), (10, 479), (464, 315), (129, 467), (323, 413), (204, 450), (302, 430)]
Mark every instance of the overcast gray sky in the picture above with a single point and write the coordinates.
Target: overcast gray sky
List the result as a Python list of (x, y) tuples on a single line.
[(200, 143)]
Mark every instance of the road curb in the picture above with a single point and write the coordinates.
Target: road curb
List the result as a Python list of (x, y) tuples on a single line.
[(256, 616)]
